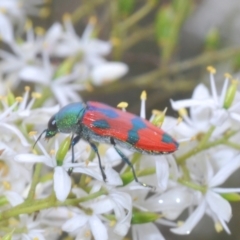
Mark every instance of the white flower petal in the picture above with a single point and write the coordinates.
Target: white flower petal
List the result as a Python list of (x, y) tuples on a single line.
[(6, 29), (192, 220), (218, 117), (33, 158), (226, 190), (201, 92), (13, 198), (176, 105), (35, 74), (62, 183), (113, 177), (74, 223), (171, 203), (225, 172), (162, 170), (98, 229), (99, 207), (219, 206), (147, 231), (108, 72), (91, 171), (17, 132)]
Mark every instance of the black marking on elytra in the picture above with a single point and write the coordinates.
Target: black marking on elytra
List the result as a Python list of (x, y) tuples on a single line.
[(102, 123), (133, 136)]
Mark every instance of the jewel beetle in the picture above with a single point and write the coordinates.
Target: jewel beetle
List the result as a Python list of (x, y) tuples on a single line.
[(98, 122)]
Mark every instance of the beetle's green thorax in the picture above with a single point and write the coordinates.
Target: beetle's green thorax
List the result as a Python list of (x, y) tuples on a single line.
[(68, 118)]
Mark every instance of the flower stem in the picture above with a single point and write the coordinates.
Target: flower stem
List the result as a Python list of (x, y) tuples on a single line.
[(37, 205), (206, 137), (205, 146), (194, 186), (36, 175), (137, 16)]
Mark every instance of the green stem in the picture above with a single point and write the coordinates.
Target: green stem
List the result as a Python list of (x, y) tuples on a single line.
[(37, 205), (137, 36), (150, 78), (180, 160), (135, 159), (137, 16), (232, 145), (85, 9), (3, 200), (36, 175), (206, 137), (194, 186), (186, 174)]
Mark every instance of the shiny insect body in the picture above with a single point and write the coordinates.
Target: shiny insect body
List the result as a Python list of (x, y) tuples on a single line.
[(98, 122)]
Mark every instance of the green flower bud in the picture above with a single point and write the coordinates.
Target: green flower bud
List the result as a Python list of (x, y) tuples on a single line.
[(144, 217), (67, 65), (62, 151), (230, 95), (231, 197), (8, 236)]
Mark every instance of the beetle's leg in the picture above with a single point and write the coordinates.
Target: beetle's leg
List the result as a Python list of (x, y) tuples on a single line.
[(95, 149), (126, 160), (74, 141)]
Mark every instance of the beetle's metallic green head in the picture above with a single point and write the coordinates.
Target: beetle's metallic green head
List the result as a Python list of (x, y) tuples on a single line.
[(52, 128), (50, 131), (67, 120)]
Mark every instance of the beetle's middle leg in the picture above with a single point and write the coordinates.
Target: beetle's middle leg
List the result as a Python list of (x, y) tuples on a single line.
[(126, 160), (95, 149)]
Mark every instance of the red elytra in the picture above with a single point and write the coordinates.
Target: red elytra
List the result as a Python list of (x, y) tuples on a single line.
[(128, 128)]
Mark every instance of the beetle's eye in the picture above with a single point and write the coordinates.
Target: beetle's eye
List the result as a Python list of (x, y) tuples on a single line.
[(52, 126)]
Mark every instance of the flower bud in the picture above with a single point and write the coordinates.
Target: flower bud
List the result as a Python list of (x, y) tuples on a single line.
[(231, 197), (230, 95), (144, 217), (62, 151)]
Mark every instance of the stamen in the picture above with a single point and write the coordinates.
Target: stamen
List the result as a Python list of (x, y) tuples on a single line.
[(123, 106), (67, 17), (28, 25), (211, 69), (36, 95), (143, 98), (39, 31), (19, 99), (27, 88), (32, 133)]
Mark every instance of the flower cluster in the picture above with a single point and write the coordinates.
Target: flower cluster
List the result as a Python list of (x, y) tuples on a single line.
[(39, 197), (57, 61), (41, 200)]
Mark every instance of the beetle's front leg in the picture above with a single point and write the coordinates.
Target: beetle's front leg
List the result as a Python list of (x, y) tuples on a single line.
[(74, 141)]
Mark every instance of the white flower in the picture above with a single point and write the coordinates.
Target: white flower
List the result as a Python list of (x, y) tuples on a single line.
[(62, 181), (212, 202), (118, 202), (64, 87), (107, 72), (212, 105)]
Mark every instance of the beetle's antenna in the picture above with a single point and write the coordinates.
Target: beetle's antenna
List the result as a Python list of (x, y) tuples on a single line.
[(39, 137)]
